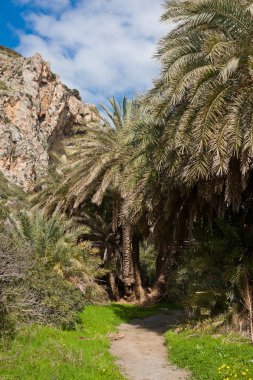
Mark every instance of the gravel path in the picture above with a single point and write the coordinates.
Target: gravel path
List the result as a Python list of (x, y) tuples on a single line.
[(141, 353)]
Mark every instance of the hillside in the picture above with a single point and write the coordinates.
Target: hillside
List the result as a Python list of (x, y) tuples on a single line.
[(36, 111)]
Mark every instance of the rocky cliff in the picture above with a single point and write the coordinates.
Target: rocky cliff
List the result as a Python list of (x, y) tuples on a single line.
[(36, 111)]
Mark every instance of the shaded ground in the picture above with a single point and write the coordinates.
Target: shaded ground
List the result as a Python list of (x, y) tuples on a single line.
[(141, 353)]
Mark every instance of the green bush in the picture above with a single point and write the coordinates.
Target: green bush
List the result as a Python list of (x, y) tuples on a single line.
[(30, 292), (57, 299), (215, 269)]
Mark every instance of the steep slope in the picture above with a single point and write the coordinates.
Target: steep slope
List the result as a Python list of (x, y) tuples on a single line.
[(36, 111)]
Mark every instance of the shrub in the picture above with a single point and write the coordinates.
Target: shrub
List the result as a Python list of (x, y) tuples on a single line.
[(31, 292), (57, 300)]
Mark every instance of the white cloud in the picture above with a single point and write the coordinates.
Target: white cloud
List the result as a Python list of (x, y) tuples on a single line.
[(54, 5), (101, 47)]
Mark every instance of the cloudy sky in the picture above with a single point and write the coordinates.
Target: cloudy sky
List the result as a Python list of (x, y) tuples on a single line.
[(100, 47)]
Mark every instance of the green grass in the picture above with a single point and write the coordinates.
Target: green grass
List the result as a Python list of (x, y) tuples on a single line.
[(47, 353), (204, 354)]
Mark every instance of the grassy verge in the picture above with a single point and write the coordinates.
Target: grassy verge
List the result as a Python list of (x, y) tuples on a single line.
[(211, 357), (47, 353)]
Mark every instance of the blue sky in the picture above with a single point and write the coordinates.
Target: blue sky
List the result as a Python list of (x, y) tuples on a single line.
[(100, 47)]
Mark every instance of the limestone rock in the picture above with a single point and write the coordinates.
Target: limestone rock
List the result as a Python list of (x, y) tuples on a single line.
[(36, 111)]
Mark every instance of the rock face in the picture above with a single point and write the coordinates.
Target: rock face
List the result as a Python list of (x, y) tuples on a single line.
[(36, 111)]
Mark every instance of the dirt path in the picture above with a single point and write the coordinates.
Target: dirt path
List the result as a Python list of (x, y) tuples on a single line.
[(141, 353)]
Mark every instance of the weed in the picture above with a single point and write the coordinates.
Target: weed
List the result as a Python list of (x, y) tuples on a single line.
[(3, 86), (6, 120)]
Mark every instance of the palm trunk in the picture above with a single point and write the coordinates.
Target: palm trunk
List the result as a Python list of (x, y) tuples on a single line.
[(162, 264), (139, 291), (128, 266), (164, 249), (171, 242), (113, 286)]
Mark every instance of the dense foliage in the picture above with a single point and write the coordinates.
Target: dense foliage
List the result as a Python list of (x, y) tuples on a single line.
[(215, 268), (31, 292)]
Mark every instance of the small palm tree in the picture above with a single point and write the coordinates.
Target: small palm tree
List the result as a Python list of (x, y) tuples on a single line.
[(56, 242)]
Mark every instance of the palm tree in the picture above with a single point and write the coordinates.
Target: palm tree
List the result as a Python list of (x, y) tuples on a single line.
[(56, 242), (156, 203), (104, 238), (96, 159), (204, 93)]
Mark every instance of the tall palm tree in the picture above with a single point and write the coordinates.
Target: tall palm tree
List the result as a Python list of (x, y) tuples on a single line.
[(156, 203), (204, 92), (96, 159)]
